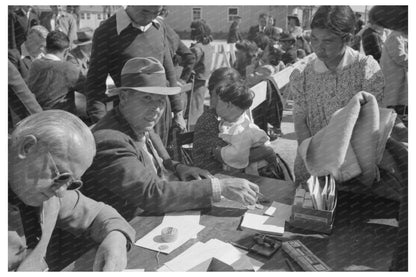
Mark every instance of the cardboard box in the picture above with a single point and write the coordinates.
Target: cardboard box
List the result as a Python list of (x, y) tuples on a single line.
[(311, 219)]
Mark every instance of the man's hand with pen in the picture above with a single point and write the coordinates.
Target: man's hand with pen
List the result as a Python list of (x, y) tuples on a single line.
[(239, 190)]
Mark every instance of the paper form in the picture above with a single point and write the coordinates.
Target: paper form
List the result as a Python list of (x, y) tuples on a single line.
[(188, 227), (203, 252)]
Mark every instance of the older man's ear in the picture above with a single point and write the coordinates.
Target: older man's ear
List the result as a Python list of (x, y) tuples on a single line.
[(26, 145)]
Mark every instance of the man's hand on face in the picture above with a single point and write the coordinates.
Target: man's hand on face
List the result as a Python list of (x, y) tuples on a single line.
[(239, 190), (112, 253), (191, 173)]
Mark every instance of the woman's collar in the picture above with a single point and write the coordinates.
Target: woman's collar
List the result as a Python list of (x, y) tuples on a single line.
[(348, 58)]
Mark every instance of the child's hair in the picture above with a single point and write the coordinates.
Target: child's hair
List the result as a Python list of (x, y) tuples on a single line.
[(223, 74), (56, 41), (237, 93)]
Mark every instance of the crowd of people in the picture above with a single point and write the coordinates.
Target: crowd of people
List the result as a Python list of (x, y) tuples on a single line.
[(89, 172)]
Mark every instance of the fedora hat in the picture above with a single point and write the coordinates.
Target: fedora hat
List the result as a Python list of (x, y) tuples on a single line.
[(84, 36), (144, 75)]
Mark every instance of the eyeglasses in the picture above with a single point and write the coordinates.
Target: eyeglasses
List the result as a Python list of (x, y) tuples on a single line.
[(64, 177)]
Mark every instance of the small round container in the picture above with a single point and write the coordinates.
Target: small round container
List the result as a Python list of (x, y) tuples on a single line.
[(169, 234)]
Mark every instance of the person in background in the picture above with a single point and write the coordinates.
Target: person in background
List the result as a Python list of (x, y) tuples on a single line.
[(260, 28), (75, 11), (246, 55), (272, 31), (20, 21), (53, 79), (394, 57), (59, 20), (48, 153), (371, 37), (130, 32), (288, 45), (203, 51), (234, 34), (81, 54), (132, 170), (182, 56), (293, 26), (359, 23), (22, 102)]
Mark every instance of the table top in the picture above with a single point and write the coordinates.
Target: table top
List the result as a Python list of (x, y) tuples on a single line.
[(353, 242)]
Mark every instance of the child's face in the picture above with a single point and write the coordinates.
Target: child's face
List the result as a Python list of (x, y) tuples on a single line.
[(227, 111)]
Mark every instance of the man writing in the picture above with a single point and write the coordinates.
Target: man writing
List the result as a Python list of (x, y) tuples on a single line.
[(48, 153), (132, 170)]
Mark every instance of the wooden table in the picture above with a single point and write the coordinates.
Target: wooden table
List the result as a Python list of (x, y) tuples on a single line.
[(352, 242)]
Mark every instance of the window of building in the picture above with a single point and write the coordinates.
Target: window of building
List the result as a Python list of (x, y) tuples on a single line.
[(82, 15), (88, 16), (99, 16), (196, 14), (232, 13)]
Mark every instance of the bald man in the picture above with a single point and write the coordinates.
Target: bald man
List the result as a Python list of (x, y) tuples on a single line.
[(48, 153)]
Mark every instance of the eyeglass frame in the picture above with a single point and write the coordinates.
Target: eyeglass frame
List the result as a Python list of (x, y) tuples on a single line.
[(67, 177)]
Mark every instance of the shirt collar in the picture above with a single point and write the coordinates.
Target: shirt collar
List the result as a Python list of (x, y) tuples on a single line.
[(51, 57), (123, 20), (348, 58)]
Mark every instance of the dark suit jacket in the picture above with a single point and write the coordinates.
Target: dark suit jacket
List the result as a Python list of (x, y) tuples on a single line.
[(19, 25), (122, 175), (22, 102), (252, 32)]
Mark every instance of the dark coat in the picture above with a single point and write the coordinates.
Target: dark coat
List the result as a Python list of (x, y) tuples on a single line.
[(22, 102), (123, 176), (234, 34), (372, 43), (19, 25)]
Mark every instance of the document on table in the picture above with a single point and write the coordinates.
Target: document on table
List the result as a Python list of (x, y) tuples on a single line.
[(188, 227), (273, 222), (198, 257)]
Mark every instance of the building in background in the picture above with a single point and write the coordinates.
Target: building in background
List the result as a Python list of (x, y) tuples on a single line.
[(219, 18)]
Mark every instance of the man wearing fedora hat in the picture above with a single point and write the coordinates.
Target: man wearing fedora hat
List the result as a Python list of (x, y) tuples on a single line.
[(132, 170), (81, 54), (131, 32)]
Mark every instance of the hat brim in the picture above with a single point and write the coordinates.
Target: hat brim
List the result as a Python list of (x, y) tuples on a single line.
[(77, 42), (152, 90)]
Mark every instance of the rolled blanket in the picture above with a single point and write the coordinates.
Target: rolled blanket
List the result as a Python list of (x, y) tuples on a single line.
[(352, 144)]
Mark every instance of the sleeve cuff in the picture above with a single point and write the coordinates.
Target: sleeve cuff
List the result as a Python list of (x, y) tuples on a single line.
[(216, 189)]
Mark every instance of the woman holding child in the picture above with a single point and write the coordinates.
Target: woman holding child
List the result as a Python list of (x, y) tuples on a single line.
[(226, 139)]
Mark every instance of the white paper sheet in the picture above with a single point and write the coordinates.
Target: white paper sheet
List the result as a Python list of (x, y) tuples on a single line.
[(200, 252), (258, 223), (188, 227)]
